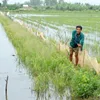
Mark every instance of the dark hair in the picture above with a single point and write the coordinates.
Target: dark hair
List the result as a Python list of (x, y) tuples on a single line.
[(79, 27)]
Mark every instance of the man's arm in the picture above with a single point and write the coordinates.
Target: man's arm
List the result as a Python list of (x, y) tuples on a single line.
[(82, 42), (73, 36)]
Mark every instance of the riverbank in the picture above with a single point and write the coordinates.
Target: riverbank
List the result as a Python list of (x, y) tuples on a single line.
[(49, 66)]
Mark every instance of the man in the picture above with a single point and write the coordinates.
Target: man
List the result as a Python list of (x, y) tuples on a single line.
[(76, 43)]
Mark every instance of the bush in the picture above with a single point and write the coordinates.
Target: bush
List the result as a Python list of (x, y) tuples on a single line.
[(13, 7), (85, 83)]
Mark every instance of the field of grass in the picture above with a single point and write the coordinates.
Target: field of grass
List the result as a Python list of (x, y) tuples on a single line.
[(48, 65)]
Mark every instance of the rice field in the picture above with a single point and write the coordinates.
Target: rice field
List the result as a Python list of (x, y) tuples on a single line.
[(59, 26)]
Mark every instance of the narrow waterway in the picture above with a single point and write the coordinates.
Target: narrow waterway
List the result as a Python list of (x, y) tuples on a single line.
[(19, 83)]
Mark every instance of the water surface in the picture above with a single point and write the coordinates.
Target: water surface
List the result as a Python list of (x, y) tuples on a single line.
[(19, 83)]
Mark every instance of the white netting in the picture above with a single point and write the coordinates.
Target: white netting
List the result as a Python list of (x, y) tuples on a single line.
[(84, 59)]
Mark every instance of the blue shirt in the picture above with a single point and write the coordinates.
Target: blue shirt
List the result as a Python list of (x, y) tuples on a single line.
[(77, 39)]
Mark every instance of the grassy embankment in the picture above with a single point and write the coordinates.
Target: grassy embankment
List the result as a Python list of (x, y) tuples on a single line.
[(47, 65)]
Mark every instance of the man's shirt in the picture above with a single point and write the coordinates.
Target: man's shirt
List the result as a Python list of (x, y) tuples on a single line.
[(77, 39)]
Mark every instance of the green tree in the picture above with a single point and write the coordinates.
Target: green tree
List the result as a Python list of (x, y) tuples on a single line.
[(35, 2), (0, 4), (27, 2), (50, 2), (5, 3), (61, 1), (47, 2), (14, 6)]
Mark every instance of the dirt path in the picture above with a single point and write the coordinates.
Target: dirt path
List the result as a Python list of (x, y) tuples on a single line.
[(19, 84)]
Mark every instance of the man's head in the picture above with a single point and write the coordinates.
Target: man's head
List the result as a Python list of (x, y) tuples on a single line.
[(78, 29)]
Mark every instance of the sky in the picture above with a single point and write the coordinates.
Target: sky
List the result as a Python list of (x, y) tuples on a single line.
[(96, 2)]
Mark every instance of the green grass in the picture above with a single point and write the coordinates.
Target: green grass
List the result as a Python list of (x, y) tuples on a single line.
[(48, 65), (98, 58)]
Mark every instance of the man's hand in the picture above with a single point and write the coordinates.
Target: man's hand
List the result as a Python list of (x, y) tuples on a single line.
[(79, 45)]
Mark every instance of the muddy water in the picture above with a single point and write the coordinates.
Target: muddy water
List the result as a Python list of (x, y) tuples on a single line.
[(19, 83)]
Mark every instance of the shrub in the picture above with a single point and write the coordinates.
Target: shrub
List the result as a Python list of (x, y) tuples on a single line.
[(85, 83)]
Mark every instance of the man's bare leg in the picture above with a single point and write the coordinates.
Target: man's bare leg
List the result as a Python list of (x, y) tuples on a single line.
[(71, 54), (76, 58)]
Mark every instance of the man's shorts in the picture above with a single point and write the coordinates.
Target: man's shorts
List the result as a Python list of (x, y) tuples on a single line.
[(76, 50)]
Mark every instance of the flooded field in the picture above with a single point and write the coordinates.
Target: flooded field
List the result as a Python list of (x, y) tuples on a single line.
[(61, 33)]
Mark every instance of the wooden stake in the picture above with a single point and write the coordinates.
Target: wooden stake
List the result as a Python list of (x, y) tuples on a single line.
[(6, 89)]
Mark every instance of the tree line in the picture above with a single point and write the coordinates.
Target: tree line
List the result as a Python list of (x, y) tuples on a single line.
[(45, 2), (61, 5), (51, 4)]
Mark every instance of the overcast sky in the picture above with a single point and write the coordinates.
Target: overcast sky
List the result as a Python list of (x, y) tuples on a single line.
[(97, 2)]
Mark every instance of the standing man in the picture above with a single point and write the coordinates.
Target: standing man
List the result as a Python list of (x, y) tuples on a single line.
[(76, 43)]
